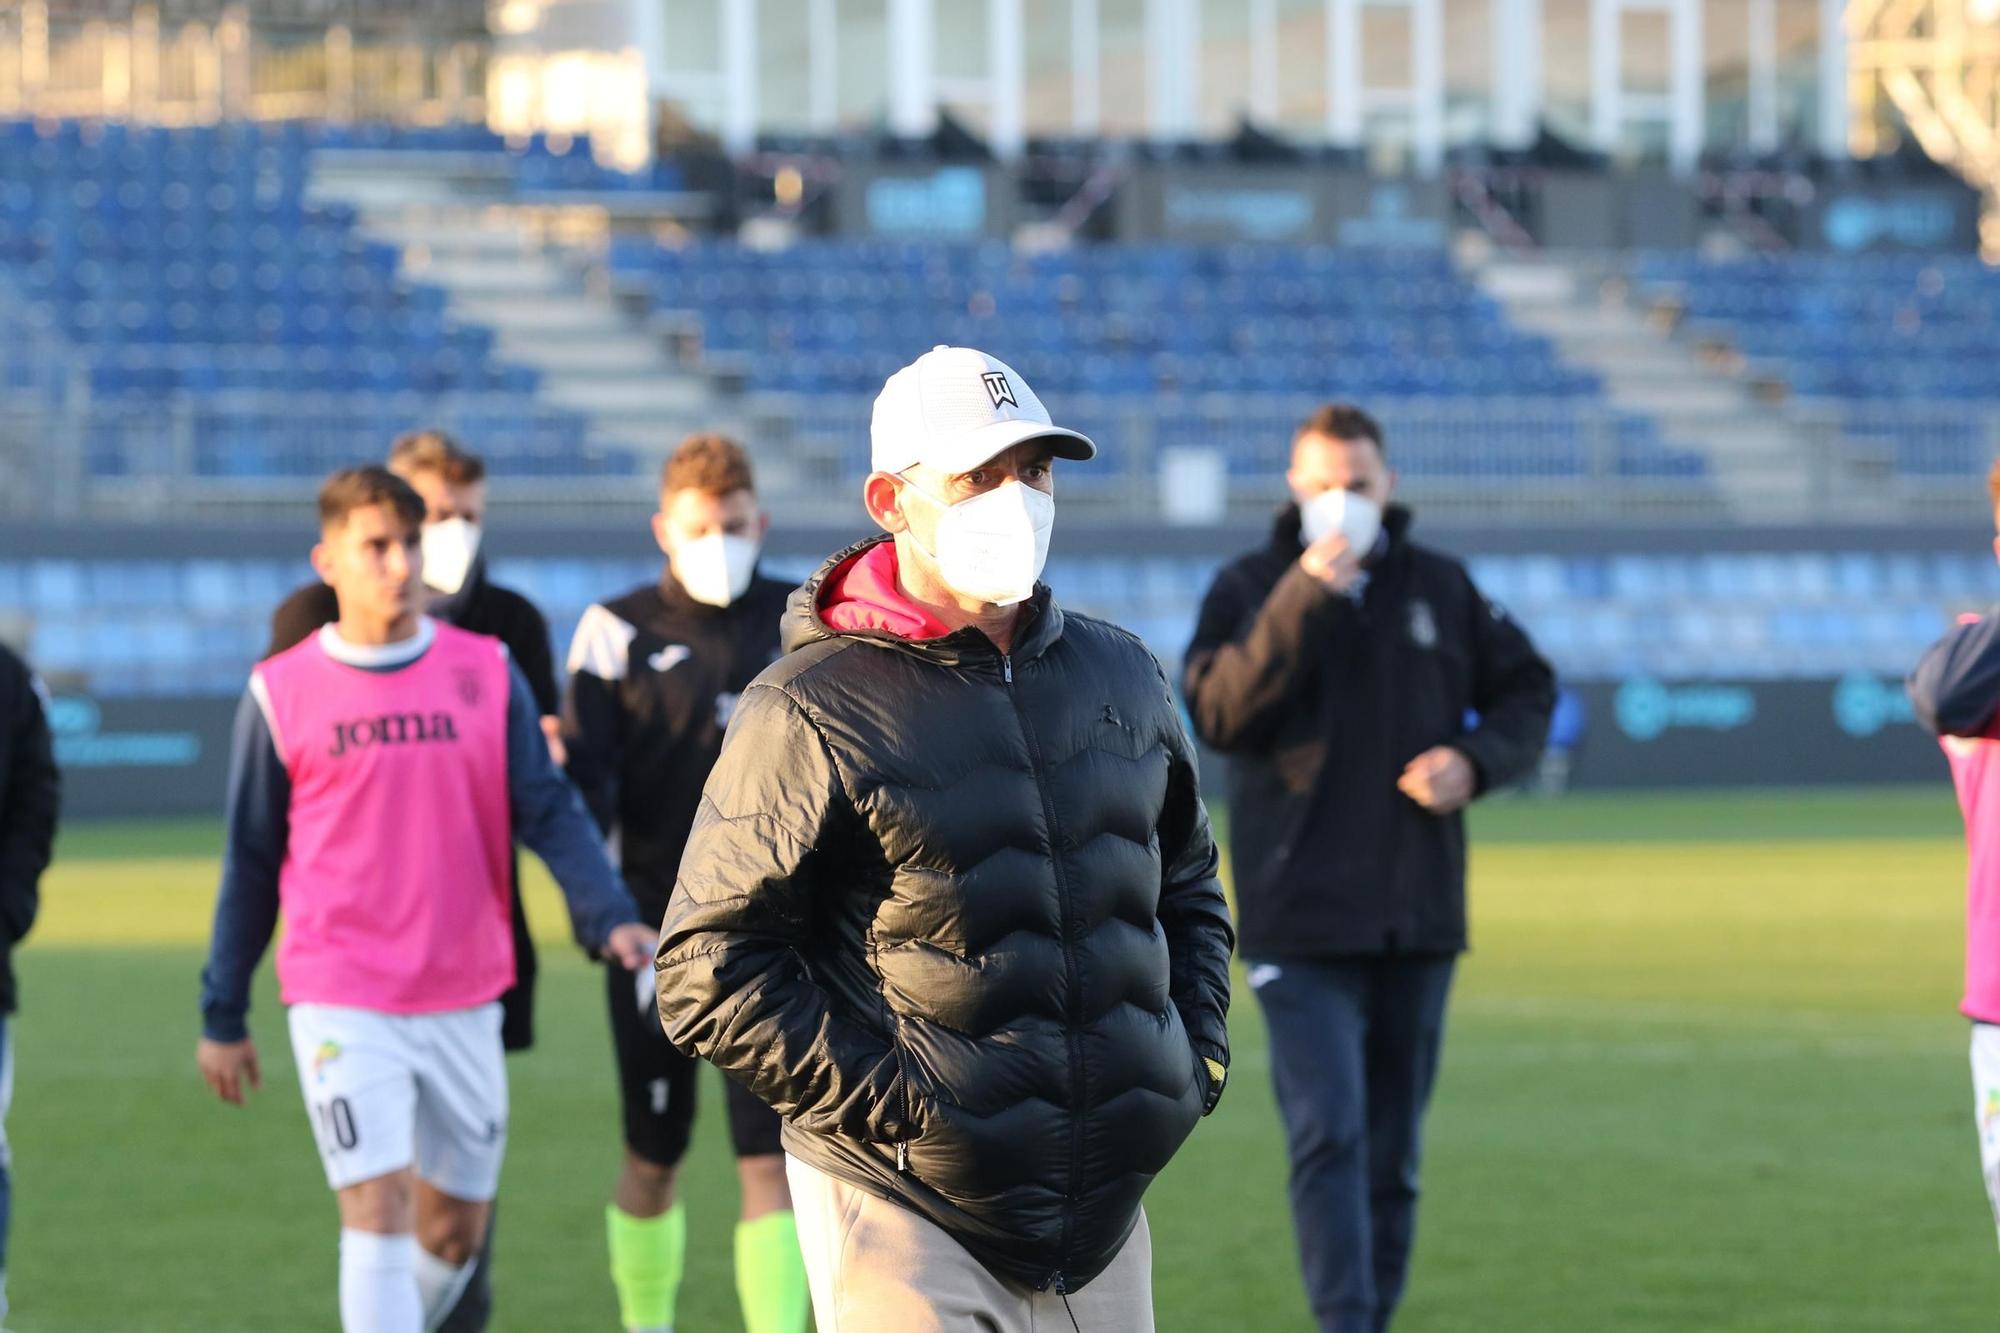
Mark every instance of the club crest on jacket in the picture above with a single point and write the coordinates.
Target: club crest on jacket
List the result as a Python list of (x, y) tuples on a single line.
[(1423, 624)]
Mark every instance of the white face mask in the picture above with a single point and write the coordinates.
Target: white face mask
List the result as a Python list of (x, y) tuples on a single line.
[(449, 550), (1349, 513), (714, 570), (992, 547)]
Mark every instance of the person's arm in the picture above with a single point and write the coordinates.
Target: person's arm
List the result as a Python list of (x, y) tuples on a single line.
[(733, 982), (258, 816), (1240, 682), (594, 724), (30, 793), (300, 615), (1513, 691), (1193, 914), (1955, 687), (549, 819), (527, 638), (528, 641)]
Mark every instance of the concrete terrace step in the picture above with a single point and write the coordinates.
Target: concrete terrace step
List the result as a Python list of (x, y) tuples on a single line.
[(1672, 398), (540, 317), (576, 356), (1760, 461), (627, 397), (500, 271), (520, 276)]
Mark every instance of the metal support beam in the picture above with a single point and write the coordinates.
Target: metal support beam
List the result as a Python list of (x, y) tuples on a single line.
[(1832, 127), (1264, 61), (911, 75), (1343, 72), (646, 21), (1427, 85), (1517, 71), (822, 65), (739, 75), (1684, 109), (1173, 30), (1005, 71), (1607, 117), (1688, 129), (1763, 74), (1086, 75)]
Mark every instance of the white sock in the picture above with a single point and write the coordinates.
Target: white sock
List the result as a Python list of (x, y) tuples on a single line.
[(440, 1284), (378, 1283)]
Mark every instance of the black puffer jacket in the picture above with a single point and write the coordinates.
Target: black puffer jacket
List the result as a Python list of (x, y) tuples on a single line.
[(955, 915)]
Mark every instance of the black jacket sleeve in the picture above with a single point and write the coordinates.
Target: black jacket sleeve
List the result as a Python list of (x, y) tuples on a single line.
[(258, 817), (30, 791), (733, 981), (301, 614), (1193, 912), (527, 641), (593, 730), (1513, 690), (1240, 685), (1955, 687)]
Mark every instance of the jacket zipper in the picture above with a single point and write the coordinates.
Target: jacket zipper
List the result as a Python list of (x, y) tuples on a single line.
[(1069, 959)]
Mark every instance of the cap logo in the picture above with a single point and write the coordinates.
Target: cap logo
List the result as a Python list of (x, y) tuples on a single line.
[(998, 389)]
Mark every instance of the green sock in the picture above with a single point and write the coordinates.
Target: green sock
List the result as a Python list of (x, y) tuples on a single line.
[(771, 1274), (647, 1254)]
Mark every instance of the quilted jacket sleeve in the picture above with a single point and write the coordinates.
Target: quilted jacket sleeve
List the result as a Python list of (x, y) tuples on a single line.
[(1193, 913), (733, 981)]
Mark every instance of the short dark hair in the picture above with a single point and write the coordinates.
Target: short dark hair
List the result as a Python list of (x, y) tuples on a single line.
[(434, 451), (362, 487), (709, 463), (1342, 421)]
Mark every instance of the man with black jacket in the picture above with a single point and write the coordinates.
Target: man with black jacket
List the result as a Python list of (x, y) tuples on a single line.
[(30, 789), (452, 482), (1339, 667), (950, 902), (653, 677)]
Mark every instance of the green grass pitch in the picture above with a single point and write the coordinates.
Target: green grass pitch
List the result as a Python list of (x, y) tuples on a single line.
[(1703, 1073)]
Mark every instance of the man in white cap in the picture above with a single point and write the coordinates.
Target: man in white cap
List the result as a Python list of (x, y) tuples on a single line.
[(950, 904)]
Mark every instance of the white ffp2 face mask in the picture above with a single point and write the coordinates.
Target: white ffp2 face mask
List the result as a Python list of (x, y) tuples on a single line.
[(992, 547), (450, 547), (715, 570), (1349, 513)]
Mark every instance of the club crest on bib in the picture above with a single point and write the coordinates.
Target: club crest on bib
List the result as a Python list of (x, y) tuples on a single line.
[(466, 680)]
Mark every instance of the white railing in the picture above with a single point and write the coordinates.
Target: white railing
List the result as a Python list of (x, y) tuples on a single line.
[(1497, 461)]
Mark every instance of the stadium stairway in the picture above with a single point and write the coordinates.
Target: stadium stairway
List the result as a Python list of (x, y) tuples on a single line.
[(501, 270), (1763, 463)]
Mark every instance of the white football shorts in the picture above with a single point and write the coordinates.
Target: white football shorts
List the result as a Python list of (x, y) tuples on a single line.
[(389, 1091), (1986, 1107)]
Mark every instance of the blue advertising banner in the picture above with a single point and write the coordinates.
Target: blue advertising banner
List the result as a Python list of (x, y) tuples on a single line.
[(1647, 732)]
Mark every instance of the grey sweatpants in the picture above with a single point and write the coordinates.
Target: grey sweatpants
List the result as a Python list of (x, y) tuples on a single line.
[(874, 1266)]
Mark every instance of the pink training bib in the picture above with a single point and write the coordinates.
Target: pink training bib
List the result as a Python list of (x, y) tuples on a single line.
[(397, 867), (1975, 774)]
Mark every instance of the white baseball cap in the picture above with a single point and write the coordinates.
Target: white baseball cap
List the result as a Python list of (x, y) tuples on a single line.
[(955, 408)]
